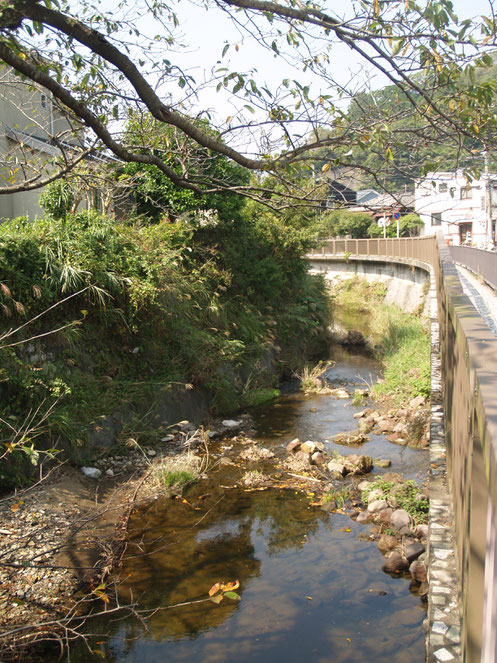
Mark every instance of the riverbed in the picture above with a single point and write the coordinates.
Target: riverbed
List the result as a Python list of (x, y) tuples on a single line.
[(311, 585)]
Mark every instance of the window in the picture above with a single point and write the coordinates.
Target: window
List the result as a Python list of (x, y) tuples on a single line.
[(44, 101), (443, 187), (466, 193), (436, 219)]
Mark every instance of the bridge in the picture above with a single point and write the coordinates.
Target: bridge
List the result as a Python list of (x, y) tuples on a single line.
[(462, 552)]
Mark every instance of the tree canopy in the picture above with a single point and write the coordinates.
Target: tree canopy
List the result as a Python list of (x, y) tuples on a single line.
[(98, 61)]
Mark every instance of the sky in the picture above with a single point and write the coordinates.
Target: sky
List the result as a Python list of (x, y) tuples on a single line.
[(204, 33)]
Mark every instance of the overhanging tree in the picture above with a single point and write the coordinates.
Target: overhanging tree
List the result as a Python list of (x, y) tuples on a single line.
[(97, 67)]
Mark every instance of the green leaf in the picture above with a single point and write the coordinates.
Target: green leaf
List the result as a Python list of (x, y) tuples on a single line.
[(232, 595)]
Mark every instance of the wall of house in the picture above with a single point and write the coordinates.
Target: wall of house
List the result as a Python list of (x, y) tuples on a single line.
[(444, 201), (29, 113)]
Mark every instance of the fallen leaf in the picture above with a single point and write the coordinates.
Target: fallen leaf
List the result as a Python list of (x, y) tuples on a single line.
[(309, 598), (217, 599), (232, 595), (215, 588), (230, 586)]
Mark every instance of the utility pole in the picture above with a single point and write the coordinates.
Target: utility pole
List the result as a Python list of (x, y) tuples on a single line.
[(489, 239)]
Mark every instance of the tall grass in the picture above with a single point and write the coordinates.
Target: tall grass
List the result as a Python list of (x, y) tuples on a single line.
[(401, 340), (157, 304)]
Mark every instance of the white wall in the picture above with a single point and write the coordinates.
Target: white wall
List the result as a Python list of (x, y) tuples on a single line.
[(448, 198)]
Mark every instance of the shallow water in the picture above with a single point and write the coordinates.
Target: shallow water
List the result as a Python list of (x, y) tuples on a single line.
[(311, 584)]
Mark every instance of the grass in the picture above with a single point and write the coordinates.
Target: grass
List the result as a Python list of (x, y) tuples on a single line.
[(178, 478), (404, 495), (338, 495), (311, 381), (401, 340), (178, 471), (140, 308)]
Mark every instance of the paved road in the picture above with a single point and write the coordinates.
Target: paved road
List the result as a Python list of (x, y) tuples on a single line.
[(483, 297)]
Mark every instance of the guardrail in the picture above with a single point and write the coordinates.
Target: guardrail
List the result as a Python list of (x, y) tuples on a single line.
[(469, 372), (478, 261), (420, 248)]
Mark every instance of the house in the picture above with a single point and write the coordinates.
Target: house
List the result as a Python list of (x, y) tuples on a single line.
[(460, 209), (35, 133)]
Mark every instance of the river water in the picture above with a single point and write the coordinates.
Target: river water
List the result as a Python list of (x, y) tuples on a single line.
[(311, 584)]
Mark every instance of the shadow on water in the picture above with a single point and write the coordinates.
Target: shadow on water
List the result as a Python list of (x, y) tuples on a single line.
[(310, 590), (310, 581)]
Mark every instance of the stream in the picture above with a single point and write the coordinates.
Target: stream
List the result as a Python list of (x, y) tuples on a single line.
[(311, 584)]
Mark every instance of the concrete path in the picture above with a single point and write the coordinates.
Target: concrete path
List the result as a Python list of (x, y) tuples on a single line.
[(482, 296)]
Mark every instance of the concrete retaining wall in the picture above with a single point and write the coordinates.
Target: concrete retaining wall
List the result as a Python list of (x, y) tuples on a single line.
[(406, 279)]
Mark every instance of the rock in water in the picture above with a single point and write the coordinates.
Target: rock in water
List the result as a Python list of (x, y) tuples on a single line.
[(418, 571), (401, 521), (395, 563), (387, 542), (413, 551), (294, 445)]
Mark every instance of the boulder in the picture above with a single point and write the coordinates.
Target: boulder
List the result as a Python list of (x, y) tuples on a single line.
[(364, 465), (363, 413), (421, 531), (364, 517), (366, 424), (340, 393), (385, 515), (417, 402), (386, 425), (92, 472), (401, 521), (413, 551), (377, 505), (396, 439), (337, 467), (354, 337), (318, 458), (417, 569), (387, 542), (401, 429), (363, 485), (350, 438), (304, 457), (309, 447), (376, 494), (382, 462), (294, 445), (231, 423), (395, 563)]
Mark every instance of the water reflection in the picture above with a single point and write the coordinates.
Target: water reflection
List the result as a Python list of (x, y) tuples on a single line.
[(310, 582), (310, 589)]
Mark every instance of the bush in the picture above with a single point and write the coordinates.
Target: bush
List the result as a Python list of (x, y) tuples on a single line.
[(144, 306)]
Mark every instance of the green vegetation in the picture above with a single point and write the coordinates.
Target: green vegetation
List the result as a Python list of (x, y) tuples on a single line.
[(338, 495), (171, 479), (156, 196), (404, 495), (401, 340), (141, 307), (311, 381)]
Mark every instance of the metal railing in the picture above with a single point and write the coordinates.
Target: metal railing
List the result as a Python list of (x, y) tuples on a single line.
[(478, 261), (420, 248), (469, 372)]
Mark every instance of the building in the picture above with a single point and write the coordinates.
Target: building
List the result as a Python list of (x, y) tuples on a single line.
[(460, 209), (35, 133)]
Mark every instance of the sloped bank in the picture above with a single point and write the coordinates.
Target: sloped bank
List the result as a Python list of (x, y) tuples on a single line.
[(113, 330)]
